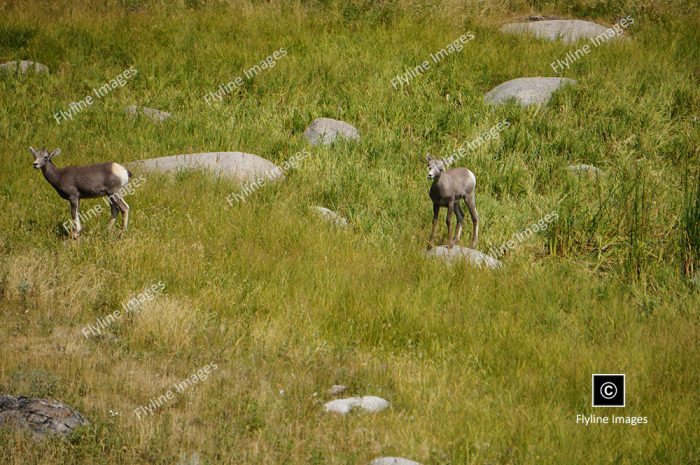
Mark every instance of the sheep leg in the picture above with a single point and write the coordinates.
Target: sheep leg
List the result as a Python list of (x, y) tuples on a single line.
[(460, 220), (471, 205), (75, 215), (436, 213), (115, 212), (450, 210), (124, 208)]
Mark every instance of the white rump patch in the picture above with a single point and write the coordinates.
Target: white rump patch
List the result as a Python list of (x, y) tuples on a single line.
[(472, 176), (120, 172)]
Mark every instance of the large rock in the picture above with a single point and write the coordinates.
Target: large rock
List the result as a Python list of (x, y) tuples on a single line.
[(24, 66), (457, 253), (330, 216), (393, 461), (567, 30), (368, 403), (39, 415), (233, 165), (526, 91), (326, 130), (155, 115)]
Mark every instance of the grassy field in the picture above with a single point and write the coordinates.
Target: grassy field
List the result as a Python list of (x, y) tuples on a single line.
[(481, 367)]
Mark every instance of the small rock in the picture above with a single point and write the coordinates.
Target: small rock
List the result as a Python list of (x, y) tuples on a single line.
[(331, 216), (191, 460), (39, 415), (234, 165), (338, 389), (585, 169), (326, 130), (155, 115), (526, 91), (463, 253), (23, 66), (393, 461), (566, 30), (368, 403)]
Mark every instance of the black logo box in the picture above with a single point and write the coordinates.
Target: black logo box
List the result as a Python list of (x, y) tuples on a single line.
[(608, 390)]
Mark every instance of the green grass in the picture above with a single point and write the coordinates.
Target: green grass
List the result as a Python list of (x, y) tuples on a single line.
[(480, 367)]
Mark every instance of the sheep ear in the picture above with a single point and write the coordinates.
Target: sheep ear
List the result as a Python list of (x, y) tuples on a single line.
[(32, 150), (428, 157), (54, 153)]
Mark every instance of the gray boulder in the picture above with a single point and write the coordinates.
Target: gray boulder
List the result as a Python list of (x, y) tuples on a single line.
[(238, 166), (39, 415), (330, 216), (566, 30), (326, 130), (393, 461), (155, 115), (23, 66), (367, 403), (526, 91), (585, 169), (458, 253)]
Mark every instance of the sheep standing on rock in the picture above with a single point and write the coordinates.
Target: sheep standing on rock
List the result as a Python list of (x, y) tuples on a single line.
[(448, 188)]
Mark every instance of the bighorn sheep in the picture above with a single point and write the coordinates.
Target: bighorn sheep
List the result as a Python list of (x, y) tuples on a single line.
[(85, 182), (448, 188)]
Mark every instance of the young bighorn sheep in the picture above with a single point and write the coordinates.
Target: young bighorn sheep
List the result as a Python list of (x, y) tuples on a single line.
[(448, 188), (85, 182)]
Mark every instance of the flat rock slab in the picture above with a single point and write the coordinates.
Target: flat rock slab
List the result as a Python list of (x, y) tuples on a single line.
[(24, 66), (367, 403), (585, 169), (155, 115), (566, 30), (526, 91), (330, 216), (393, 461), (39, 415), (458, 253), (326, 130), (238, 166)]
